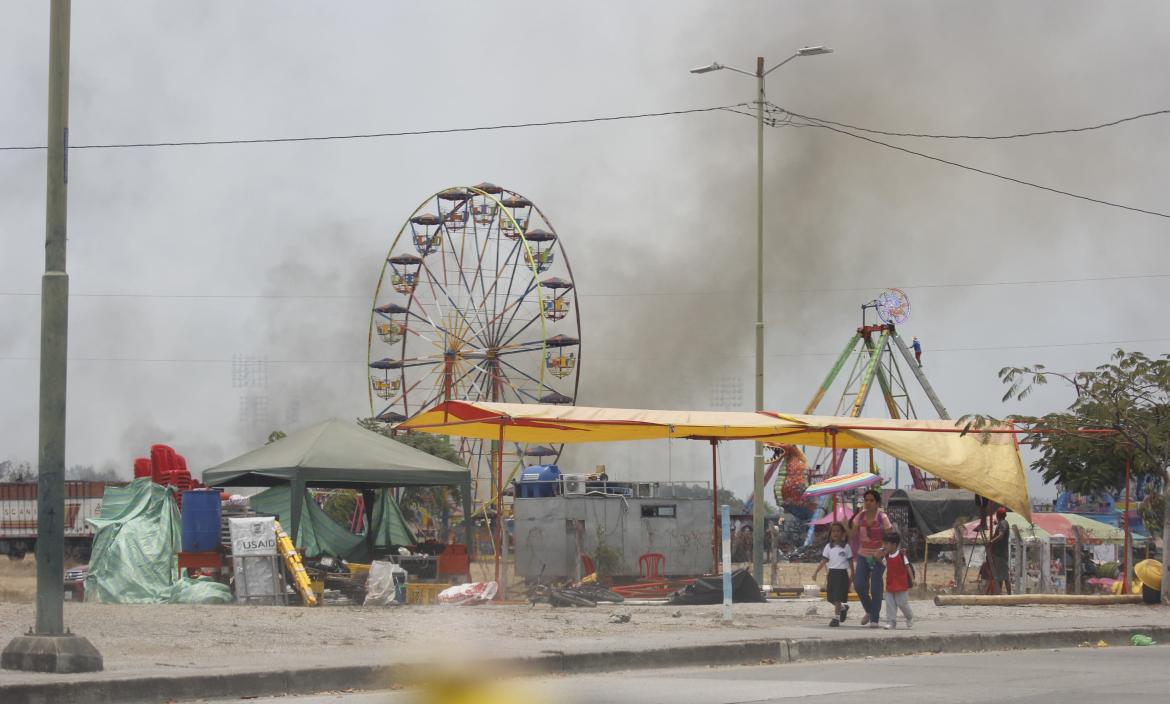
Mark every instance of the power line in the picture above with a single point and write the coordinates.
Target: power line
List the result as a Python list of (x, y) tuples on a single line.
[(992, 173), (999, 348), (616, 294), (378, 135), (929, 350), (974, 136)]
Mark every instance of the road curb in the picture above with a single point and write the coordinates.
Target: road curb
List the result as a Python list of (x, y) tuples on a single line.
[(321, 679)]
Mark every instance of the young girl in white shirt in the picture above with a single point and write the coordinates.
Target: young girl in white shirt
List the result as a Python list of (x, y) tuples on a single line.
[(839, 557)]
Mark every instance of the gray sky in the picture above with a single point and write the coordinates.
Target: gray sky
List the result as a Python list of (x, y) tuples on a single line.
[(657, 215)]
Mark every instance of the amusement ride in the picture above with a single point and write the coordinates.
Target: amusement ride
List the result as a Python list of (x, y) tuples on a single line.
[(475, 302), (879, 353)]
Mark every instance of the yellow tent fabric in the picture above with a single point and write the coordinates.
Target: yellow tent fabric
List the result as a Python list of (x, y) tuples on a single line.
[(986, 463)]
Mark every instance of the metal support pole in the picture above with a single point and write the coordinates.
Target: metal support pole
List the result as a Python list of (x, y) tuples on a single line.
[(726, 516), (1125, 517), (50, 648), (758, 460), (499, 541), (918, 374), (714, 510), (867, 376), (832, 375)]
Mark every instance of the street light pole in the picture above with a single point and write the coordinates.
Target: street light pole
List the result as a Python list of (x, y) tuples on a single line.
[(758, 461)]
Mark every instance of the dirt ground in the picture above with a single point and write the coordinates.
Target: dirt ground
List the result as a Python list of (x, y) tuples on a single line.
[(18, 580), (134, 636)]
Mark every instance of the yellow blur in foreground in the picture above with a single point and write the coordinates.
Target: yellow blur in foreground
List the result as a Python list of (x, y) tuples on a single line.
[(460, 691)]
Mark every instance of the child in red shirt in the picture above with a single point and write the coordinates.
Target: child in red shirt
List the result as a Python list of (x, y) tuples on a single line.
[(899, 578)]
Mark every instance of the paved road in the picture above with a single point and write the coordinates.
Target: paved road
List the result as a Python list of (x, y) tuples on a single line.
[(1069, 676)]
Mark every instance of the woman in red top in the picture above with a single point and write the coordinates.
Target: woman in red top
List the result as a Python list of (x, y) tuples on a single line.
[(867, 527)]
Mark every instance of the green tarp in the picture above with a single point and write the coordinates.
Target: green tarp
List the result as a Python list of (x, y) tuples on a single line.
[(390, 527), (133, 561), (319, 534)]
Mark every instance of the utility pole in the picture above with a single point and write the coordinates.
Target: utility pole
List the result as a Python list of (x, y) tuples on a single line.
[(758, 459), (51, 648), (758, 467)]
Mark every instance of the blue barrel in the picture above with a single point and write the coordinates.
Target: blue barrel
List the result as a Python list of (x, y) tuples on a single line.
[(539, 481), (201, 518)]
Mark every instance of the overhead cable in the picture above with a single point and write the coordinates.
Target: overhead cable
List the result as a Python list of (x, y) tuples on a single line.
[(1018, 135), (596, 294), (363, 362), (991, 173), (378, 135)]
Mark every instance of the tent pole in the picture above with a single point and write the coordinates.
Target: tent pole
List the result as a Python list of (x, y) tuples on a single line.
[(368, 510), (499, 541), (297, 488), (468, 523), (925, 565), (714, 509), (1125, 517)]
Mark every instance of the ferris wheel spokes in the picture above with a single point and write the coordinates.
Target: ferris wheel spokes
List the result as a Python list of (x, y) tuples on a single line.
[(456, 309), (539, 382), (465, 312), (469, 287)]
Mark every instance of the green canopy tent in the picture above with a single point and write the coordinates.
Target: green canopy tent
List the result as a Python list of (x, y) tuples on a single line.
[(339, 454)]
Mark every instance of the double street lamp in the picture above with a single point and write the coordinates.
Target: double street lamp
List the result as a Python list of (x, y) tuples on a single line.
[(758, 473)]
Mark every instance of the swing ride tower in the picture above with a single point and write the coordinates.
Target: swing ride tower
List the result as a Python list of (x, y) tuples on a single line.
[(881, 358)]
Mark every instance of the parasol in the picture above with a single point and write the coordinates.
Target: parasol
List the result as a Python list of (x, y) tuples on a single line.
[(840, 483)]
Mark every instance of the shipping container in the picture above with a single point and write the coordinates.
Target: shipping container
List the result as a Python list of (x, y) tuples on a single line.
[(18, 517)]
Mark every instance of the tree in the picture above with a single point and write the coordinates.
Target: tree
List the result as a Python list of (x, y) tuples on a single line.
[(724, 496), (340, 505), (276, 435), (416, 499), (18, 472), (88, 473), (1120, 412)]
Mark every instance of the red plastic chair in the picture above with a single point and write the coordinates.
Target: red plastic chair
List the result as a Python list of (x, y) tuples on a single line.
[(587, 565), (651, 566)]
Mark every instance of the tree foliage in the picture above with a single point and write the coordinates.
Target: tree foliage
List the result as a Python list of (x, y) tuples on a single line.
[(416, 499), (1119, 410), (16, 471), (340, 505), (89, 473)]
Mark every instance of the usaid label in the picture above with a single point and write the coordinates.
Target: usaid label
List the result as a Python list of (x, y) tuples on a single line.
[(253, 536)]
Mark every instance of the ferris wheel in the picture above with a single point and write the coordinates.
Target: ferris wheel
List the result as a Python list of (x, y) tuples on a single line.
[(475, 302)]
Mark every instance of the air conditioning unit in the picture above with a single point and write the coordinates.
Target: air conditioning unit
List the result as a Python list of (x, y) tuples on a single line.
[(646, 490), (574, 484)]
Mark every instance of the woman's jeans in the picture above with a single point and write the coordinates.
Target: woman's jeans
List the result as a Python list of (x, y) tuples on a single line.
[(867, 582)]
